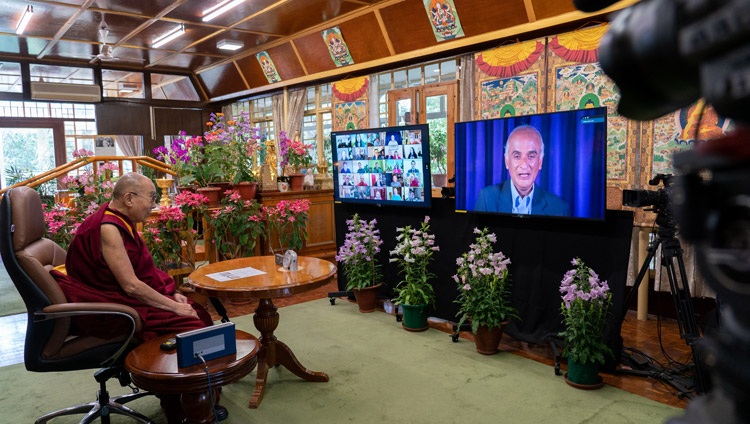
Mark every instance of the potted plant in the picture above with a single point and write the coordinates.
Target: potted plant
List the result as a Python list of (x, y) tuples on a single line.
[(170, 234), (242, 143), (294, 154), (358, 255), (483, 283), (412, 254), (439, 155), (585, 305), (236, 226), (287, 220)]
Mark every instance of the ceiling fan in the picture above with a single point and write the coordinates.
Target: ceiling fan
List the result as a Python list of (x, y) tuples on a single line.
[(106, 51)]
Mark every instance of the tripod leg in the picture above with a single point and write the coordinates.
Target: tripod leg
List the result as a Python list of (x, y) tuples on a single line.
[(683, 303)]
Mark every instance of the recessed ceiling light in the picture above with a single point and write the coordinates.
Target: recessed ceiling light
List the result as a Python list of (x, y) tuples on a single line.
[(229, 45), (169, 36), (219, 8), (21, 26)]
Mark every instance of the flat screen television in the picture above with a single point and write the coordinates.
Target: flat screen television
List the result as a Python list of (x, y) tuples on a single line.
[(564, 177), (383, 166)]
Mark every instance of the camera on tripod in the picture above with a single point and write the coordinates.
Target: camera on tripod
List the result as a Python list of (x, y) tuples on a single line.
[(659, 200)]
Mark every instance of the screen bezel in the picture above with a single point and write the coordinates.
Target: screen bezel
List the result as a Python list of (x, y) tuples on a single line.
[(562, 172), (384, 133)]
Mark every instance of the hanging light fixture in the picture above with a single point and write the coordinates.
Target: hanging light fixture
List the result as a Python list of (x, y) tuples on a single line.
[(169, 36), (219, 8), (229, 45), (21, 26)]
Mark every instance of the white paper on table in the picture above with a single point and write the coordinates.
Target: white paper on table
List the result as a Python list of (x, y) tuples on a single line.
[(235, 274)]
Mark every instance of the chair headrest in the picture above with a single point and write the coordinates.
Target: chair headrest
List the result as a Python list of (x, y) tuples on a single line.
[(27, 216)]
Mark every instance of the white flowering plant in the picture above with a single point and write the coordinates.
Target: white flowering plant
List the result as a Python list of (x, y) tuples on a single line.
[(412, 254), (359, 253), (484, 284), (585, 307)]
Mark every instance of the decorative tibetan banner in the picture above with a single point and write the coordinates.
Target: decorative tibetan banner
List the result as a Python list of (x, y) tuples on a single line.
[(350, 115), (269, 69), (520, 87), (337, 47), (350, 89), (578, 82), (444, 19)]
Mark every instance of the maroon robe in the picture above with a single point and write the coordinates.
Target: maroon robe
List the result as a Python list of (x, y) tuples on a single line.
[(89, 279)]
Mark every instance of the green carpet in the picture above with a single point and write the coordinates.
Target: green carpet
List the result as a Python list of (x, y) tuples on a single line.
[(10, 301), (379, 373)]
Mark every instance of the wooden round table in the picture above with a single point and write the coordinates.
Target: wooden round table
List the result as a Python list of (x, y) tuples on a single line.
[(232, 280), (184, 392)]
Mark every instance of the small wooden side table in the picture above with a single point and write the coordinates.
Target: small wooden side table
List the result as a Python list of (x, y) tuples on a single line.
[(184, 392)]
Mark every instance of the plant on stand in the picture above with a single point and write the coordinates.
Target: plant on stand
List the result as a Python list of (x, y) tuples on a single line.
[(484, 289), (237, 224), (412, 254), (243, 142), (358, 255), (288, 220), (295, 155), (585, 307)]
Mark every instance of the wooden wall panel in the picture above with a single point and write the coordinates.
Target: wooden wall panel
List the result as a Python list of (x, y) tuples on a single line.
[(548, 8), (480, 16), (170, 121), (222, 80), (364, 38), (286, 61), (252, 71), (408, 26), (314, 53), (118, 118)]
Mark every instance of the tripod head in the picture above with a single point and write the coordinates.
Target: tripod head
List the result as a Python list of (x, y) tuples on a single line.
[(656, 201)]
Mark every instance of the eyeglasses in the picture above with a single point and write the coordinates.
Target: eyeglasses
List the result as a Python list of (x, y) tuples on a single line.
[(153, 196)]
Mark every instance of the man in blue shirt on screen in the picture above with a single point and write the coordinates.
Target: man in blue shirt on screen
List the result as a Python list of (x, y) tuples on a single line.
[(524, 154)]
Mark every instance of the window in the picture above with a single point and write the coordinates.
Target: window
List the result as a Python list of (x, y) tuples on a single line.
[(318, 122), (123, 84), (261, 115), (172, 87), (10, 77), (61, 74)]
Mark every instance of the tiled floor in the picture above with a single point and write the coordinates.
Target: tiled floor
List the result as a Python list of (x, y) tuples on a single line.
[(640, 335)]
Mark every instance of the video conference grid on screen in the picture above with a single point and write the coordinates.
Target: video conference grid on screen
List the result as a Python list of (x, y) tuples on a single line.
[(382, 165), (568, 176)]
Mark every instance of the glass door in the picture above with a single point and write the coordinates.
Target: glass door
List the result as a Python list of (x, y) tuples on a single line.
[(433, 104), (25, 152)]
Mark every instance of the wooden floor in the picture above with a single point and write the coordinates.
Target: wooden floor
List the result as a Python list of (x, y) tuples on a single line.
[(647, 337)]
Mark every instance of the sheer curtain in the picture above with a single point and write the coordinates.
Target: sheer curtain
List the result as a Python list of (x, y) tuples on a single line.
[(296, 111), (466, 88), (130, 145)]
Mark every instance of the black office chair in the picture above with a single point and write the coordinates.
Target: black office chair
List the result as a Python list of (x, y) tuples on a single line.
[(51, 345)]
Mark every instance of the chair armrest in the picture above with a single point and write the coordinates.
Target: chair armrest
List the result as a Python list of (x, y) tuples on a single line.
[(65, 310), (62, 310)]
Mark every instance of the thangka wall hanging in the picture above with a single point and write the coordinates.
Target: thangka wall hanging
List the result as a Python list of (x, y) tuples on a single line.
[(578, 82), (350, 116), (337, 47), (444, 19), (519, 88), (269, 69), (350, 103)]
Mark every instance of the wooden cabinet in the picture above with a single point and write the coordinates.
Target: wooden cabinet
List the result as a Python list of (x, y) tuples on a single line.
[(321, 231)]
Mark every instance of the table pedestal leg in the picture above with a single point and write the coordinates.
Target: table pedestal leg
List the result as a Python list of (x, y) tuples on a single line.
[(273, 352)]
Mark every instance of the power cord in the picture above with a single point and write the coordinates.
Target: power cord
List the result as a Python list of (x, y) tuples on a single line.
[(210, 389)]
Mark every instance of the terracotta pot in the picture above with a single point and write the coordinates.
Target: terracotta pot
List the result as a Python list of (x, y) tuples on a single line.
[(212, 193), (222, 185), (296, 182), (367, 298), (246, 189), (187, 188), (487, 339)]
